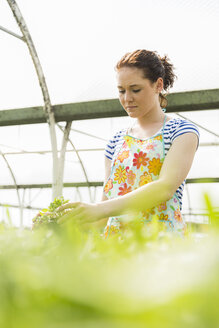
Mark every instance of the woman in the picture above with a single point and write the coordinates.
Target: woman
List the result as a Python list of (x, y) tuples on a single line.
[(146, 164)]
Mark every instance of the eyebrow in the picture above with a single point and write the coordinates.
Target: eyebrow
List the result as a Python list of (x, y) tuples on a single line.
[(133, 85)]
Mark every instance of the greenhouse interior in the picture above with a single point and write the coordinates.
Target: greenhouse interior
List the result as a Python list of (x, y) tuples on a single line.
[(27, 147), (59, 108)]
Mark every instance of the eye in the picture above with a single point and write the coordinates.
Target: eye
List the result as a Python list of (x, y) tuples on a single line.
[(121, 91), (136, 91)]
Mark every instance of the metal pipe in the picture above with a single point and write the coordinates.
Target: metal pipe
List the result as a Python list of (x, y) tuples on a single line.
[(82, 165), (50, 117), (12, 33)]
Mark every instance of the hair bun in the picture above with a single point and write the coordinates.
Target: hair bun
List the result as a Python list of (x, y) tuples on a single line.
[(169, 76)]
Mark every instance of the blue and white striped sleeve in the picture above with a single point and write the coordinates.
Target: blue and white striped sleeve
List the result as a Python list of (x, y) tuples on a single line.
[(112, 143), (183, 127), (110, 149)]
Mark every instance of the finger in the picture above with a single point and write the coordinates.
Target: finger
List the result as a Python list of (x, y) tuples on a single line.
[(70, 215), (64, 218), (66, 206), (82, 218), (76, 218), (44, 213)]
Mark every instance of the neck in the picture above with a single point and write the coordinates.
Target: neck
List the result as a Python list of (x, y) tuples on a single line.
[(156, 115)]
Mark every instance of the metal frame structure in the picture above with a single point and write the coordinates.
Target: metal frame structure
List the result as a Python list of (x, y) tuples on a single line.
[(58, 161), (177, 102), (91, 184), (97, 109)]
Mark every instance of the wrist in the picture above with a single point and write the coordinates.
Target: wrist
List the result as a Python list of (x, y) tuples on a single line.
[(112, 207), (102, 210)]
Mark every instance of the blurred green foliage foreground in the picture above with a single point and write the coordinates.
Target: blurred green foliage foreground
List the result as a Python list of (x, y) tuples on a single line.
[(68, 277)]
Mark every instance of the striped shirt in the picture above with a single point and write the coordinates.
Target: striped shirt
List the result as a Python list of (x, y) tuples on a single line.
[(173, 128)]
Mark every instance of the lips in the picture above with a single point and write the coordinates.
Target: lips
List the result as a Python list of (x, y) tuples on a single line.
[(131, 107)]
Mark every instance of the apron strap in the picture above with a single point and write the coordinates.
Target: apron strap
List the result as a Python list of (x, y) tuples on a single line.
[(128, 130), (164, 122)]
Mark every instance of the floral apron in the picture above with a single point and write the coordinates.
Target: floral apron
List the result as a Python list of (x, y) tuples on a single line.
[(137, 163)]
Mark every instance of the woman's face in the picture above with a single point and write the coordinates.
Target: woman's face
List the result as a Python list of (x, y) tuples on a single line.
[(138, 95)]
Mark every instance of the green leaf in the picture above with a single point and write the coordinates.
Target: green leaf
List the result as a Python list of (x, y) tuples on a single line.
[(44, 210)]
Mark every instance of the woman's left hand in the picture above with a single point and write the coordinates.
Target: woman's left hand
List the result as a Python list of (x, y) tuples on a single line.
[(80, 213)]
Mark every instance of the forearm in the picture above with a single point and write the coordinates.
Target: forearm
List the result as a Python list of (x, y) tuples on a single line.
[(99, 224), (141, 199)]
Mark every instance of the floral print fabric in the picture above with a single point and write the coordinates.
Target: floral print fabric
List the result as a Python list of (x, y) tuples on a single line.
[(139, 162)]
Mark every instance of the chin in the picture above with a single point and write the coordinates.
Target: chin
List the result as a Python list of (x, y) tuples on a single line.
[(132, 114)]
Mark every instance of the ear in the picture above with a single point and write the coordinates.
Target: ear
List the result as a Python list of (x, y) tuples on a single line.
[(159, 84)]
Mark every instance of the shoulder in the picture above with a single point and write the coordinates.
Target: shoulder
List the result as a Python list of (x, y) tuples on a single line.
[(118, 135), (178, 126), (113, 142)]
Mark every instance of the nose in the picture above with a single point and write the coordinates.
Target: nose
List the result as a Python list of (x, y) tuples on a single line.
[(128, 97)]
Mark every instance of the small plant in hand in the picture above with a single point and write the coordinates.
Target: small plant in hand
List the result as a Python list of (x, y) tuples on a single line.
[(49, 215)]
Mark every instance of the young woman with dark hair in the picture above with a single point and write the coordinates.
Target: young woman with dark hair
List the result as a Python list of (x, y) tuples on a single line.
[(146, 164)]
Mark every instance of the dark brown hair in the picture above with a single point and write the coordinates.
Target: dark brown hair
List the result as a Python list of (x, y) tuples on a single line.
[(153, 67)]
